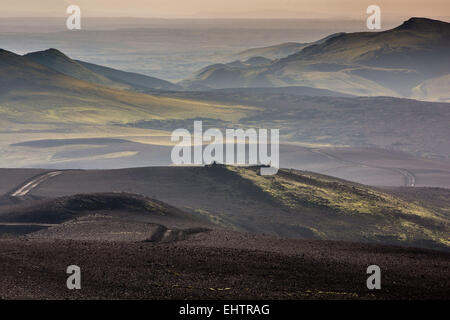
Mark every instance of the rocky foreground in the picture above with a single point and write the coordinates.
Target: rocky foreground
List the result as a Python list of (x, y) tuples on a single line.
[(219, 265)]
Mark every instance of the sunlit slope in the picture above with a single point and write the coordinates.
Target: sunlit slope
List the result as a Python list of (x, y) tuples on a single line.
[(30, 92), (336, 209)]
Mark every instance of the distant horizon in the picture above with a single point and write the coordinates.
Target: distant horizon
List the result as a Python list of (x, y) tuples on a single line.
[(232, 9), (349, 25), (212, 18), (388, 23), (442, 18)]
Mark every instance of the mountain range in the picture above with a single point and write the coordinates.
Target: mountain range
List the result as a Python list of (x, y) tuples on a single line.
[(407, 61)]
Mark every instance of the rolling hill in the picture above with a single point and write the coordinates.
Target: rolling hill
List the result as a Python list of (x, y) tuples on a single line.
[(293, 203), (389, 63), (34, 93), (58, 61)]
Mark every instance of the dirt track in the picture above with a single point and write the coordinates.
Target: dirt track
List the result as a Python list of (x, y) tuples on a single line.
[(28, 186)]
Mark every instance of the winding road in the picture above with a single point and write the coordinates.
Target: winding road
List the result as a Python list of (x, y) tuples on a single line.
[(410, 179), (24, 189)]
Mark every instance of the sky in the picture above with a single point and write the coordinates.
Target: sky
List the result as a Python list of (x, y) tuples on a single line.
[(346, 9)]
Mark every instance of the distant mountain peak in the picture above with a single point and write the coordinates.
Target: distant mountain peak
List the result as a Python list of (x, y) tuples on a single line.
[(53, 50), (425, 24), (50, 52)]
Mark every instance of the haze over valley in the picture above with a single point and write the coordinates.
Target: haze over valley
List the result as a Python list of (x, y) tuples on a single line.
[(103, 117)]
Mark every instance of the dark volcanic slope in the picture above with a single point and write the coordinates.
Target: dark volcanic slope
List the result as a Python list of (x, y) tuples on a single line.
[(105, 217), (318, 270), (291, 204), (129, 246)]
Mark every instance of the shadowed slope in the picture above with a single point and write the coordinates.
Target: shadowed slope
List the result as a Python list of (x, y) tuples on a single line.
[(65, 208), (100, 217)]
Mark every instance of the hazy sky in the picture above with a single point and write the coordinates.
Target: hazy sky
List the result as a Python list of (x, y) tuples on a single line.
[(228, 8)]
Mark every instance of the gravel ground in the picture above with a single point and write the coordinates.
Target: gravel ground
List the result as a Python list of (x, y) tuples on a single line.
[(232, 268)]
